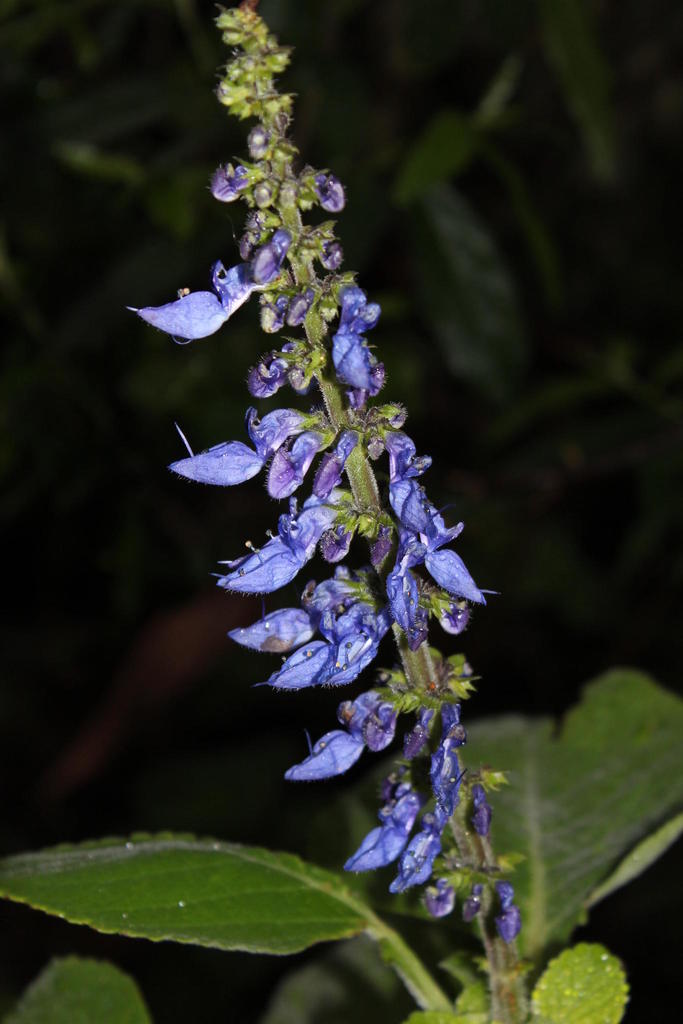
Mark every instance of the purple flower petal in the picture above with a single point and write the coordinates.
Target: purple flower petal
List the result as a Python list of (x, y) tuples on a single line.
[(445, 777), (269, 258), (227, 182), (277, 632), (264, 571), (455, 619), (440, 898), (333, 754), (509, 923), (415, 740), (450, 572), (303, 668), (193, 316), (223, 465), (289, 467), (354, 361), (410, 505), (233, 287), (417, 861), (269, 433), (379, 727), (335, 544), (384, 844), (330, 192)]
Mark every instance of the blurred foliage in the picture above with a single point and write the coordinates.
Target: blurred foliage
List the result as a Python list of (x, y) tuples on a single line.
[(512, 172)]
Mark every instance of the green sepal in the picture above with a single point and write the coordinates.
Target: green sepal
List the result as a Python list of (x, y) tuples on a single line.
[(583, 985)]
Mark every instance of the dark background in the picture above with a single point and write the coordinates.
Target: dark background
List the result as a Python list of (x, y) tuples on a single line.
[(512, 175)]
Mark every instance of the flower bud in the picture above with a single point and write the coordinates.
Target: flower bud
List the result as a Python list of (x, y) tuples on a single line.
[(299, 307), (263, 194), (330, 192), (332, 255), (440, 898), (472, 904), (267, 376), (258, 140), (273, 315), (227, 182), (270, 257)]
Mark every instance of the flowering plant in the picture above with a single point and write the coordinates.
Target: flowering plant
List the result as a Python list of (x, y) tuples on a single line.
[(395, 572)]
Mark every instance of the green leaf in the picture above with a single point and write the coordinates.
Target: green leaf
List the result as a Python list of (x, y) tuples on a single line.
[(468, 293), (582, 985), (639, 858), (579, 800), (207, 893), (445, 148), (580, 66), (75, 991), (187, 890)]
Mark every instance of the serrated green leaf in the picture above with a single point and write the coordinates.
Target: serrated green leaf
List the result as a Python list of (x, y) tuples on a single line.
[(76, 991), (579, 800), (575, 54), (445, 148), (207, 893), (187, 890), (583, 985), (639, 858), (468, 294)]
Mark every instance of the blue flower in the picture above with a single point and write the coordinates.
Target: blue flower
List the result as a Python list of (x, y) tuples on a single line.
[(329, 472), (268, 260), (233, 462), (455, 617), (366, 719), (270, 432), (227, 182), (384, 844), (403, 463), (354, 362), (289, 466), (335, 544), (273, 314), (440, 898), (277, 632), (199, 314), (351, 643), (445, 777), (402, 590), (417, 860), (333, 754), (472, 904), (414, 741), (280, 559), (268, 375), (258, 141), (330, 192), (481, 819), (332, 255), (299, 306), (224, 465), (509, 922)]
